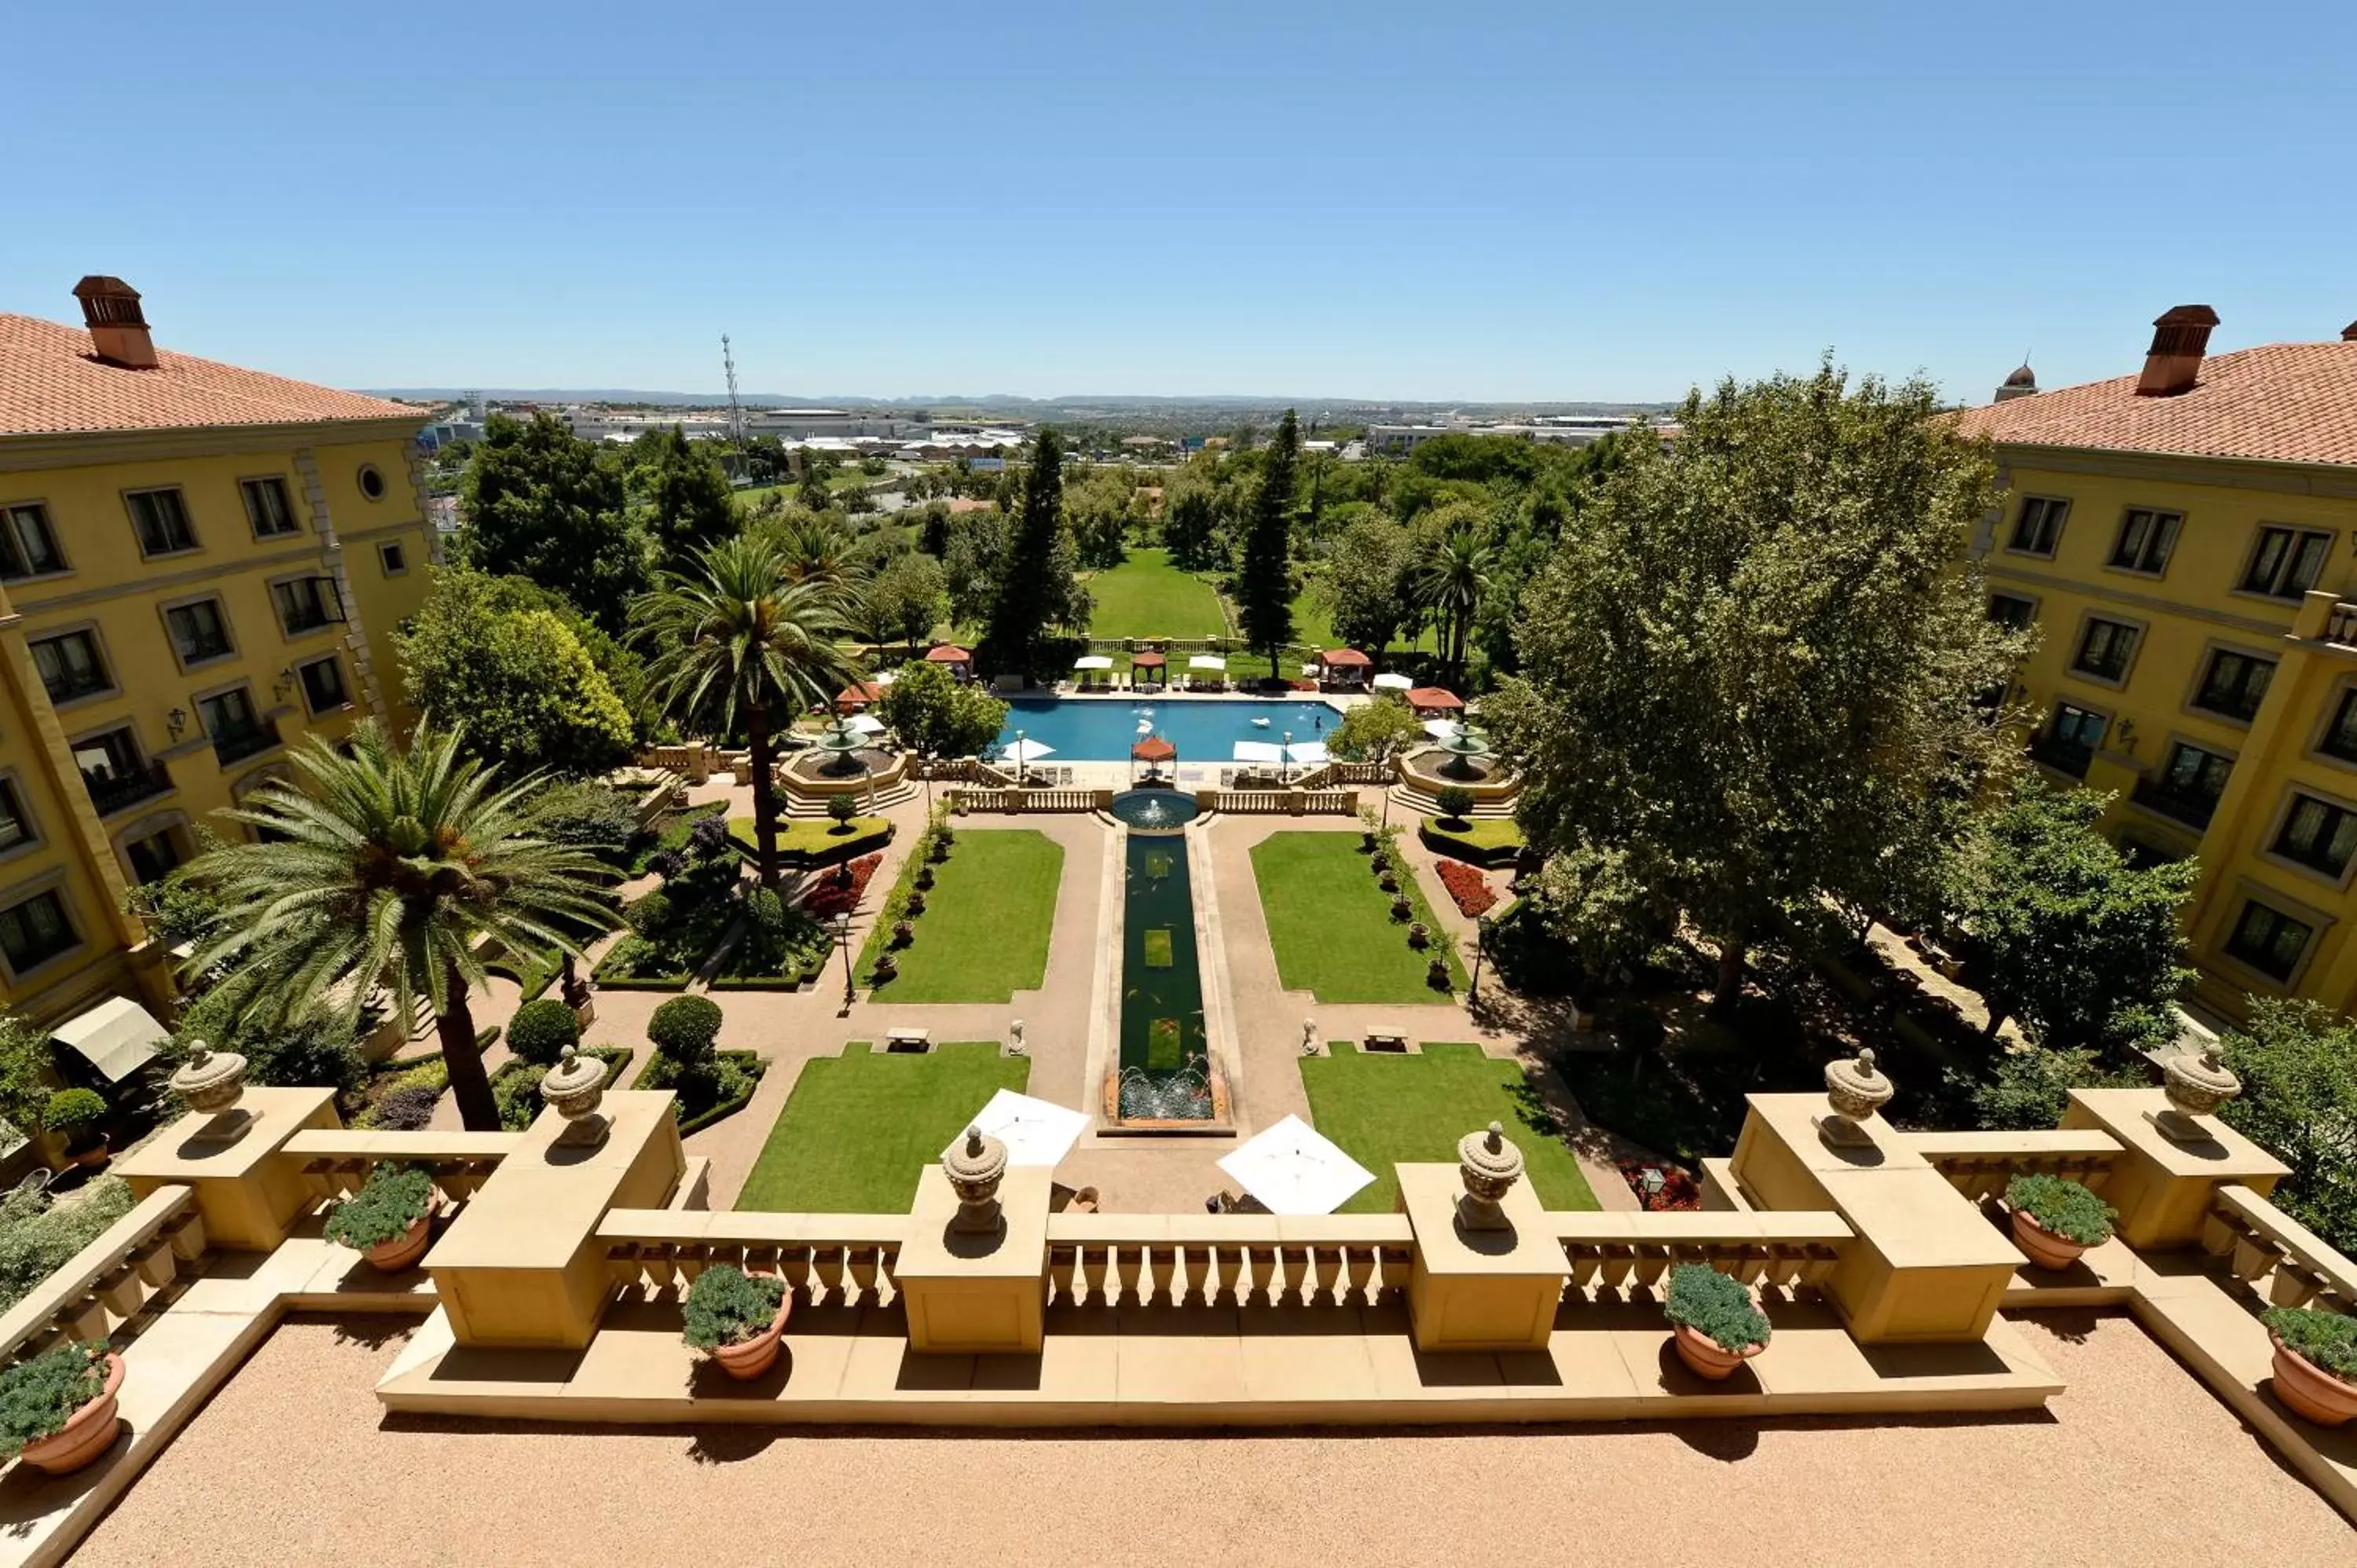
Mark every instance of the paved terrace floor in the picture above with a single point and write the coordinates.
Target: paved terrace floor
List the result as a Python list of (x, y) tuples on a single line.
[(295, 1462)]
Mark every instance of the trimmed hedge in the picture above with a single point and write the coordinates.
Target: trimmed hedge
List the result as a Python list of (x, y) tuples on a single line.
[(804, 840), (748, 1063), (1485, 841)]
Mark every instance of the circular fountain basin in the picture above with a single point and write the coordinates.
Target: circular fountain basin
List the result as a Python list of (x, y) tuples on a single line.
[(1154, 810)]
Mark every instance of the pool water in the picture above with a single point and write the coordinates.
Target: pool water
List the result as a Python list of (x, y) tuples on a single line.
[(1163, 1056), (1204, 730)]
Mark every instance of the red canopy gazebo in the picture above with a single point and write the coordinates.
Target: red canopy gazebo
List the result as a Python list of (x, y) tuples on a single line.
[(1140, 664), (859, 697), (1343, 667), (1435, 703), (1153, 751), (960, 662)]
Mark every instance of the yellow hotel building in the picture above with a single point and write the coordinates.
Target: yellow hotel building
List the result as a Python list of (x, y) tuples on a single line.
[(2185, 540), (198, 565)]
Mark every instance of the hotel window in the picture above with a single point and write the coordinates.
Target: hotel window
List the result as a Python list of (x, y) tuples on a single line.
[(2268, 941), (2012, 611), (2146, 539), (323, 685), (2104, 650), (161, 518), (35, 930), (267, 507), (2286, 563), (2340, 738), (16, 828), (2235, 684), (392, 558), (152, 858), (237, 733), (306, 604), (27, 548), (2070, 739), (2318, 835), (71, 667), (199, 633), (2040, 524), (2189, 787)]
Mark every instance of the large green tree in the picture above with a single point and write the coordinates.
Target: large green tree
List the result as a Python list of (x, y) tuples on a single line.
[(531, 695), (1264, 579), (1751, 669), (908, 599), (390, 871), (1367, 582), (1036, 584), (2298, 1061), (1452, 578), (2083, 948), (731, 642), (935, 715), (541, 504), (688, 495)]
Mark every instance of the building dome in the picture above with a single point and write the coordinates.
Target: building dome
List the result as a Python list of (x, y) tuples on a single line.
[(2021, 383)]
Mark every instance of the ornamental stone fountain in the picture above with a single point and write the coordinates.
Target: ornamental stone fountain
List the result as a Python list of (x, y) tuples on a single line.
[(572, 1088), (1489, 1166), (212, 1082), (975, 1168), (1855, 1092), (2196, 1086)]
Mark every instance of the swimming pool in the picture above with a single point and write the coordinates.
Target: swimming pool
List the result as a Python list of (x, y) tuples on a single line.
[(1204, 730)]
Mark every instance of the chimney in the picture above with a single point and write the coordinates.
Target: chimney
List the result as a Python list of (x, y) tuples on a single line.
[(2180, 338), (118, 332)]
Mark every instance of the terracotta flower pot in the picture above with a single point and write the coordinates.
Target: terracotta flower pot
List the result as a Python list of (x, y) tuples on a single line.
[(93, 1155), (2309, 1391), (1706, 1357), (403, 1250), (749, 1358), (88, 1433), (2046, 1249)]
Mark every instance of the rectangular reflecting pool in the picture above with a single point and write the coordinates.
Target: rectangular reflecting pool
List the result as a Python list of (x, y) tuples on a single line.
[(1165, 1072), (1103, 729)]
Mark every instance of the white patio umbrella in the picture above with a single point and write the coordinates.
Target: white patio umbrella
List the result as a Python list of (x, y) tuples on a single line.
[(1292, 1168), (1093, 661), (1036, 1131), (865, 725), (1024, 751), (1309, 752), (1259, 751), (883, 677), (1207, 661), (1441, 729), (1387, 682)]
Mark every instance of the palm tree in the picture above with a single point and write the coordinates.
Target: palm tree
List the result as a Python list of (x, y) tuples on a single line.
[(384, 872), (1453, 580), (732, 641)]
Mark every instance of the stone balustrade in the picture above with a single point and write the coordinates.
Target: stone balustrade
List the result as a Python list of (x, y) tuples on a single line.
[(1788, 1250), (1980, 1165), (1239, 1260), (1295, 802), (1018, 800), (109, 1283), (2275, 1254), (336, 1162), (841, 1258)]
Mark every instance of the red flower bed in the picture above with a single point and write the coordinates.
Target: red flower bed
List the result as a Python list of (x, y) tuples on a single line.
[(1679, 1190), (1468, 886), (836, 893)]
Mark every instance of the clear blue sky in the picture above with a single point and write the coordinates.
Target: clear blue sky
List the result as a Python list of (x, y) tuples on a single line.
[(1559, 200)]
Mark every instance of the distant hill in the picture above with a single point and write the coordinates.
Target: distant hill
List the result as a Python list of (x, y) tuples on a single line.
[(1073, 408)]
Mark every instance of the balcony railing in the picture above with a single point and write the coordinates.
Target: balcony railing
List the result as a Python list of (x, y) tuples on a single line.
[(2070, 757), (2340, 626), (239, 744), (2188, 806), (110, 795)]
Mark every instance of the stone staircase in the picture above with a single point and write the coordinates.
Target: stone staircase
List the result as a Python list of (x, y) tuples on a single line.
[(887, 797), (1407, 796)]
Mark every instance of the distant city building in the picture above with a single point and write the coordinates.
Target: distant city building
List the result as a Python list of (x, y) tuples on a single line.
[(1555, 430)]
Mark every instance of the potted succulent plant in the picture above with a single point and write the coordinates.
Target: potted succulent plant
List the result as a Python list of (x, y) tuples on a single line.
[(389, 1219), (916, 900), (1714, 1322), (2055, 1220), (884, 967), (1370, 829), (1418, 933), (736, 1318), (2316, 1362), (1401, 908), (924, 879), (78, 1116), (1436, 974), (58, 1410)]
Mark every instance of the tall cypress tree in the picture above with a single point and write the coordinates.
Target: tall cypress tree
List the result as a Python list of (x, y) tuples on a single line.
[(1030, 595), (1264, 586)]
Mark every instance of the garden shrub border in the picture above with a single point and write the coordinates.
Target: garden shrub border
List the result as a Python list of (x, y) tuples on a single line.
[(681, 824), (1461, 846), (1463, 897), (748, 1062), (849, 846)]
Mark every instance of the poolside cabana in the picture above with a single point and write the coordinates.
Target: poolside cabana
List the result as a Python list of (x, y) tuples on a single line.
[(1343, 669), (960, 663), (1207, 671), (1148, 670), (1153, 751), (859, 697), (1088, 666), (1435, 703), (1390, 682)]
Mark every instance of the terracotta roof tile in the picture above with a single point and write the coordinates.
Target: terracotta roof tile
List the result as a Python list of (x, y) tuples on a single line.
[(50, 384), (2285, 402)]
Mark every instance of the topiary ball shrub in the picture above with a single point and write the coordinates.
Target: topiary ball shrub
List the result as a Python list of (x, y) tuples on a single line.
[(684, 1028), (2064, 1207), (541, 1030), (39, 1396), (650, 916), (1455, 803), (725, 1305), (394, 1198), (2326, 1340), (75, 1116), (841, 809), (1717, 1306)]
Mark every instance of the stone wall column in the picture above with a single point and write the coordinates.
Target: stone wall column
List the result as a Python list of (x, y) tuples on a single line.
[(331, 561)]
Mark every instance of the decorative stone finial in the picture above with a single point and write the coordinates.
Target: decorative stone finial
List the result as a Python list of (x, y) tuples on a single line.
[(1015, 1042), (1856, 1091), (209, 1080), (572, 1088), (1309, 1037), (1489, 1166), (2196, 1086), (975, 1168)]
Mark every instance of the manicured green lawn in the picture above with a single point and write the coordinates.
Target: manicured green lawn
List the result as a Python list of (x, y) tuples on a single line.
[(983, 934), (1147, 596), (1332, 926), (818, 837), (1384, 1110), (859, 1127)]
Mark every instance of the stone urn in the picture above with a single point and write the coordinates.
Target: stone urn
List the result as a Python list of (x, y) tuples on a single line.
[(1488, 1164), (211, 1082), (86, 1433), (2309, 1390), (974, 1167), (572, 1088), (1854, 1090), (2196, 1087)]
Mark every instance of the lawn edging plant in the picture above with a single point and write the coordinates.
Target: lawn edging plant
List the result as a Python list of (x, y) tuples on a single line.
[(2056, 1219), (1716, 1325), (736, 1318)]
